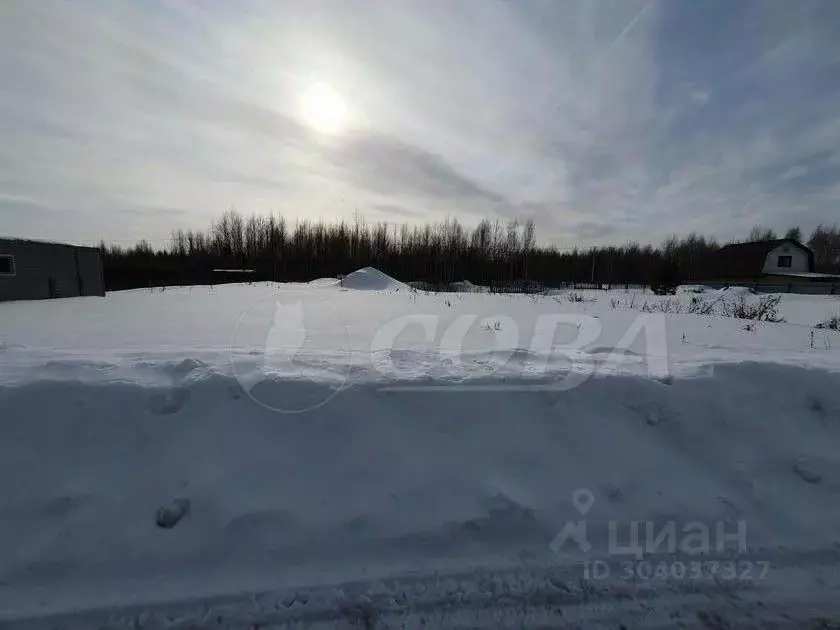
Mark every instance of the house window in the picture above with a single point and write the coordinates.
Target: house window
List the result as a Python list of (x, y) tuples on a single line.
[(7, 265), (785, 261)]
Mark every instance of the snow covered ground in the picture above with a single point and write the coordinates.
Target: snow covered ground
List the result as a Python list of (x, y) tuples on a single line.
[(363, 454)]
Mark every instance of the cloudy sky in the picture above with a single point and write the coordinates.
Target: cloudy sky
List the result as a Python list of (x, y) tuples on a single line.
[(604, 121)]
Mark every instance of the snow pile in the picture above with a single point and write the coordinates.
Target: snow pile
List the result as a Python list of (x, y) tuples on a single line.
[(371, 279), (324, 282)]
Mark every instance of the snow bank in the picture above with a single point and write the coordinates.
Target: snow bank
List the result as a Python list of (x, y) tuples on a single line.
[(113, 409), (370, 279), (324, 282), (389, 483), (128, 335)]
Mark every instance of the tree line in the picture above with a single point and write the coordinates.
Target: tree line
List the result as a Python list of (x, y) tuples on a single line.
[(493, 253)]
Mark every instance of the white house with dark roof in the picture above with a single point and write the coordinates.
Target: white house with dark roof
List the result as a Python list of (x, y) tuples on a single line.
[(780, 264)]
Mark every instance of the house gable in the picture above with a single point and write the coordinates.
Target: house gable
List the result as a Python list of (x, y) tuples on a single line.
[(786, 258), (750, 260)]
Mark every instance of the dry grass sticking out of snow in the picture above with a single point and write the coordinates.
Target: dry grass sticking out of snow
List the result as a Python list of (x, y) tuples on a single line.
[(738, 305), (832, 323)]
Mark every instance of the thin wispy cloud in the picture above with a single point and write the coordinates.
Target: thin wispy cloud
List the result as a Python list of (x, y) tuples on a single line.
[(630, 25), (604, 121)]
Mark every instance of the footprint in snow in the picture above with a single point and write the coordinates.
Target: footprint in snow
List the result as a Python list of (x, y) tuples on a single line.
[(613, 492), (169, 403), (653, 413), (807, 471), (816, 406), (168, 516)]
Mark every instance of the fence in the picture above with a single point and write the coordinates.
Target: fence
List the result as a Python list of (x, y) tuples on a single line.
[(802, 288), (526, 287)]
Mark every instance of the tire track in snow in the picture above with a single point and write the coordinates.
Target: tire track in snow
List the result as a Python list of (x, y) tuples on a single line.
[(546, 596)]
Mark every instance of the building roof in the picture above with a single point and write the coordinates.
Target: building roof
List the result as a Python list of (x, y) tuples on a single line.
[(12, 239), (739, 260)]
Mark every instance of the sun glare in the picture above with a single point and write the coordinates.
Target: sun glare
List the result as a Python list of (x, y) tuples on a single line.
[(324, 109)]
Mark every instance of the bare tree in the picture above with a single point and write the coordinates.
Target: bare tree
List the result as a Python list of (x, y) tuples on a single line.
[(825, 243), (794, 234), (491, 253), (759, 233), (528, 236)]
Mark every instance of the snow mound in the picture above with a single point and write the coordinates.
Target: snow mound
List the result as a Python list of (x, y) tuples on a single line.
[(324, 282), (370, 279)]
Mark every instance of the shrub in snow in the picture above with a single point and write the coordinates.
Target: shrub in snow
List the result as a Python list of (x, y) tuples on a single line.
[(740, 306), (663, 289), (764, 310), (699, 306), (579, 297), (623, 303), (767, 309), (667, 279), (670, 305), (832, 323), (168, 516)]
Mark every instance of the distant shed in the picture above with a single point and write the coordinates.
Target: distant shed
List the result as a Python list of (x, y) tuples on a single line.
[(40, 270)]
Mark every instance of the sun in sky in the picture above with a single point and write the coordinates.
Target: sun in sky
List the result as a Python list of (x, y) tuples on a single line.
[(324, 109)]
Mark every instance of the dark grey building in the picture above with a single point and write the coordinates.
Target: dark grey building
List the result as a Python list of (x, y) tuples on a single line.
[(38, 270)]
